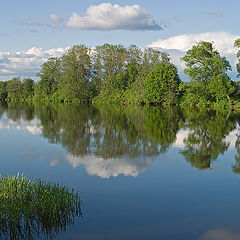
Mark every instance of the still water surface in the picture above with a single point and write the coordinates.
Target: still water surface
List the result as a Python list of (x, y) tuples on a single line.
[(143, 173)]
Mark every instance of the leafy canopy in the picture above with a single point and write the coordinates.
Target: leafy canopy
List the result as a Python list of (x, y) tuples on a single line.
[(237, 45), (207, 71)]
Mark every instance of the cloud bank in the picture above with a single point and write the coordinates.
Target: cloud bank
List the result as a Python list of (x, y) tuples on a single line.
[(223, 41), (178, 45), (112, 17), (26, 63)]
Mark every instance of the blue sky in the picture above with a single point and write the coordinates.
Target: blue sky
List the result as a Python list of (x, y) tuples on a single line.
[(31, 31)]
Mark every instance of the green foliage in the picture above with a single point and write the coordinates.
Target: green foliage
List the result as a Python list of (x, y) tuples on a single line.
[(14, 89), (76, 66), (32, 207), (3, 91), (237, 45), (207, 72), (50, 77), (115, 74), (162, 83), (120, 72), (28, 88)]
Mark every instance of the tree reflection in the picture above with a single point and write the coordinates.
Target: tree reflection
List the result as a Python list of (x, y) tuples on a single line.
[(3, 106), (162, 124), (236, 166), (18, 111), (109, 132), (115, 131), (206, 139)]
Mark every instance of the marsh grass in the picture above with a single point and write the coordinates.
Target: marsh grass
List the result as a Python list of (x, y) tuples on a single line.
[(30, 207)]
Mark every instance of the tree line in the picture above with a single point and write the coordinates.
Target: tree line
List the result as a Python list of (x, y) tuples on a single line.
[(114, 74)]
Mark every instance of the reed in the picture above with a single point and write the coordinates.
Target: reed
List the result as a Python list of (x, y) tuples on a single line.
[(30, 207)]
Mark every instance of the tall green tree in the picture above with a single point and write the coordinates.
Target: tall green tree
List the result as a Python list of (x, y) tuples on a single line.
[(147, 60), (207, 71), (3, 91), (50, 77), (162, 84), (14, 89), (76, 67), (108, 61), (237, 45), (27, 88)]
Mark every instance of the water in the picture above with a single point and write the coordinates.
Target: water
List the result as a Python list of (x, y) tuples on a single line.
[(143, 173)]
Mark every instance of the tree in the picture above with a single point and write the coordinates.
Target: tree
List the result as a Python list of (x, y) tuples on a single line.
[(50, 77), (27, 88), (14, 89), (142, 63), (206, 69), (108, 60), (237, 45), (3, 91), (76, 67), (162, 83)]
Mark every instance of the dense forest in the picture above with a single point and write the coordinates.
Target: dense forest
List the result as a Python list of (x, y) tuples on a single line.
[(114, 74)]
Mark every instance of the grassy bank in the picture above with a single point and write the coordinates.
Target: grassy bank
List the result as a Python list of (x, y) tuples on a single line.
[(30, 207)]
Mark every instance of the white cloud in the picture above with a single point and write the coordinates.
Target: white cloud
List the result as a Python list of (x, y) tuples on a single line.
[(56, 19), (223, 41), (111, 17), (26, 63), (178, 45)]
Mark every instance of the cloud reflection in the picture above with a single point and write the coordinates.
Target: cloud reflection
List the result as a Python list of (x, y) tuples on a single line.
[(33, 126), (222, 234), (111, 167)]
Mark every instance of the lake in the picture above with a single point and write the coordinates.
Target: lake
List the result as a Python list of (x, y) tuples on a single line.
[(142, 172)]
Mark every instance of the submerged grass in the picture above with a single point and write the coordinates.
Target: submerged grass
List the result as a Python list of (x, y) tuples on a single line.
[(30, 207)]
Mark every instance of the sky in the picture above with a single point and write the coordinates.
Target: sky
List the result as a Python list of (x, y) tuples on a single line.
[(33, 31)]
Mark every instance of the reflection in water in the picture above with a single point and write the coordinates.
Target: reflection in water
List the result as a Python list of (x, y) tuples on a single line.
[(206, 139), (112, 167), (31, 208), (122, 140), (222, 234)]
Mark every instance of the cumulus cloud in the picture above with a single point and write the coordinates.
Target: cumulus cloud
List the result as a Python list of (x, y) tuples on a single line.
[(26, 63), (111, 17), (223, 41), (178, 45)]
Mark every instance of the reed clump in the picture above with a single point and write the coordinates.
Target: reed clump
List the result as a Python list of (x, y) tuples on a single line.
[(30, 207)]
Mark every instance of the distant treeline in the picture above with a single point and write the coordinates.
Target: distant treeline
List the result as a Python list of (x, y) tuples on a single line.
[(114, 74)]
